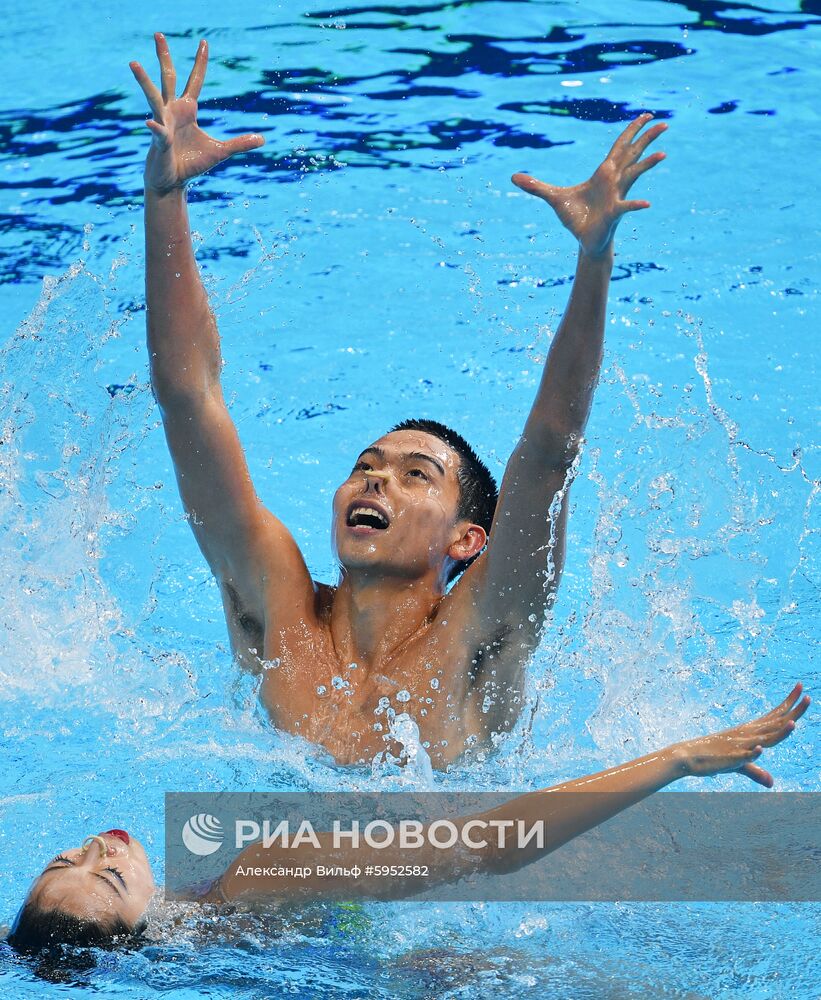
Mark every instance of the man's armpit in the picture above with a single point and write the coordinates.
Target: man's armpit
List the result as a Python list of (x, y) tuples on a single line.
[(498, 679), (487, 652), (240, 620)]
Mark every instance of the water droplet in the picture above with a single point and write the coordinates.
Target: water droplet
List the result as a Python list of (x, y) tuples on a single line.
[(339, 683), (403, 696), (434, 683), (321, 690)]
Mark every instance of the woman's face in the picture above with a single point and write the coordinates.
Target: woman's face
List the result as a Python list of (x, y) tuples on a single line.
[(109, 878)]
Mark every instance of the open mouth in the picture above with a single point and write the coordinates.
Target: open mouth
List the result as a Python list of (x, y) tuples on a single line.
[(368, 517), (119, 834)]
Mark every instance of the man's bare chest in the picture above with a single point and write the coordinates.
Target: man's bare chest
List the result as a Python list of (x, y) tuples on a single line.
[(423, 693)]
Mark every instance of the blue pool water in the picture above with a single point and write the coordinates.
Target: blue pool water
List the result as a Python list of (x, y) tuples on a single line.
[(373, 262)]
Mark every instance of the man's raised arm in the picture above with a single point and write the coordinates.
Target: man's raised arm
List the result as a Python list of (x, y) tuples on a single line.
[(507, 584), (237, 535)]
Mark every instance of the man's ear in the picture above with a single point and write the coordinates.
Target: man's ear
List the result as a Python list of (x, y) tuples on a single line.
[(470, 543)]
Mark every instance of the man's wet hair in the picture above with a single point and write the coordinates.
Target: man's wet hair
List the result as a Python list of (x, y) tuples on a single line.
[(478, 494), (39, 929)]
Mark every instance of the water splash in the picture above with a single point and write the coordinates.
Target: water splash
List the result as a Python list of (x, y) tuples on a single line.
[(408, 766)]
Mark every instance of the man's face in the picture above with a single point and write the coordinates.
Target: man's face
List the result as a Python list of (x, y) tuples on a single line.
[(98, 886), (396, 512)]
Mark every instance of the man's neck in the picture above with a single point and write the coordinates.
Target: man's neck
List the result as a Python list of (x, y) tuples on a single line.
[(373, 617)]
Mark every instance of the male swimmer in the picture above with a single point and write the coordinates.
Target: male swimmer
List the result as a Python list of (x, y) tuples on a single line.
[(418, 509), (97, 895)]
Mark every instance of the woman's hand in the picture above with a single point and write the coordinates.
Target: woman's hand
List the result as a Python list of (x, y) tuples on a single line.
[(591, 211), (735, 749), (180, 149)]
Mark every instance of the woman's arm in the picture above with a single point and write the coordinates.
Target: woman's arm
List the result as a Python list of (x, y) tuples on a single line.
[(564, 816)]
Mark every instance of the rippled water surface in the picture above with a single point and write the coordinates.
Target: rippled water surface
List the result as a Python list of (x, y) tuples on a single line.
[(372, 262)]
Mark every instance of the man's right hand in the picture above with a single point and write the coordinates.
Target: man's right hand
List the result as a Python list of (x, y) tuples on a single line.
[(180, 149)]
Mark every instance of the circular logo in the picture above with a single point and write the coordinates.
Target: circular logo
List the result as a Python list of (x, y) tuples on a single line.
[(202, 834)]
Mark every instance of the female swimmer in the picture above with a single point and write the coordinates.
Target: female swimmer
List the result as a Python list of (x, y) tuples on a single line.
[(96, 895)]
